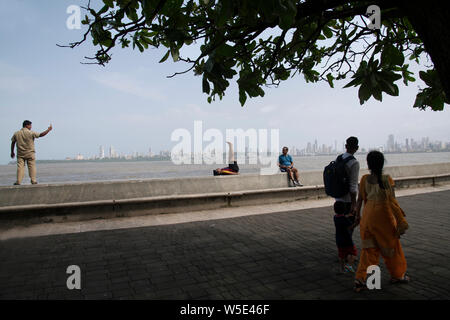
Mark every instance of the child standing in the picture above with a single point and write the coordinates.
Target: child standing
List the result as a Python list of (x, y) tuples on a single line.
[(345, 224)]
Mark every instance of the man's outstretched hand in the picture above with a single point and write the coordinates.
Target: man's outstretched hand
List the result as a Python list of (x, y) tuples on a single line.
[(42, 134)]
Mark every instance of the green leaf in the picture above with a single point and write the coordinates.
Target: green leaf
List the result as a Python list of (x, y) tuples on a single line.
[(356, 81), (140, 47), (261, 92), (165, 57), (437, 102), (209, 65), (281, 73), (286, 11), (205, 85), (109, 3), (148, 8), (392, 56), (377, 49), (433, 96), (175, 54), (132, 14), (124, 42), (225, 50), (224, 12), (428, 77), (103, 10), (327, 32), (428, 98), (389, 88), (376, 92), (106, 42), (364, 92), (86, 20), (242, 97), (419, 102), (330, 79), (171, 8)]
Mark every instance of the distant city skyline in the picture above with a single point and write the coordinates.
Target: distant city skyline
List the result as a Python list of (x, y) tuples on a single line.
[(422, 144)]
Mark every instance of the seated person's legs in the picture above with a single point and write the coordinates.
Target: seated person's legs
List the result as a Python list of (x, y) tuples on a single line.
[(290, 173), (297, 176)]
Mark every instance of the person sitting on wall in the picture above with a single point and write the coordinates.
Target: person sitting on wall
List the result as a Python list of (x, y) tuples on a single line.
[(287, 165), (232, 168)]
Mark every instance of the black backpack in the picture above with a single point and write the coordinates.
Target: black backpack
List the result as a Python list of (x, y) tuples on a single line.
[(335, 177)]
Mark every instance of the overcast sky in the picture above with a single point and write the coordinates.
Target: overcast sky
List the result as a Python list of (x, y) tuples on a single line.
[(131, 104)]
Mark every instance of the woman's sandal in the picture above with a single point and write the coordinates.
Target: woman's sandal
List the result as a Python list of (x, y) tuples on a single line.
[(359, 286), (405, 279), (349, 268)]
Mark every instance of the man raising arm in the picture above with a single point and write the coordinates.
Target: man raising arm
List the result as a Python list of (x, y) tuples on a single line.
[(42, 134), (24, 140)]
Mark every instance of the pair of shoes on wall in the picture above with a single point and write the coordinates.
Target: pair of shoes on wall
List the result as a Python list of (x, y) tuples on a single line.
[(18, 184)]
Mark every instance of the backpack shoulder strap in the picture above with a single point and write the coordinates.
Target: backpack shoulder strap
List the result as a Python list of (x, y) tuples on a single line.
[(349, 158)]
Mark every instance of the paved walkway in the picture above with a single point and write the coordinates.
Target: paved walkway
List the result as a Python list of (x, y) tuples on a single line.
[(285, 255)]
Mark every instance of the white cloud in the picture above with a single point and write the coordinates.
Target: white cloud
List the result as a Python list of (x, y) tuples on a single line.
[(126, 84)]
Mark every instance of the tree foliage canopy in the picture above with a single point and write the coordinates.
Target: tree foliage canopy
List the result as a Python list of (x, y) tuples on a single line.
[(261, 43)]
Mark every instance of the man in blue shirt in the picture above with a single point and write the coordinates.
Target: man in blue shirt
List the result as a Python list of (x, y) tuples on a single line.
[(287, 165)]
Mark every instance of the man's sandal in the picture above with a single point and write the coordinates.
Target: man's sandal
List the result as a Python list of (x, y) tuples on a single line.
[(405, 279)]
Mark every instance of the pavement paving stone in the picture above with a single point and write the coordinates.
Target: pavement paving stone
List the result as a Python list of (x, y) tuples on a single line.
[(283, 255)]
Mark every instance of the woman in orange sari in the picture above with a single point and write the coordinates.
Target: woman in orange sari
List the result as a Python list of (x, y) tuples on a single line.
[(382, 223)]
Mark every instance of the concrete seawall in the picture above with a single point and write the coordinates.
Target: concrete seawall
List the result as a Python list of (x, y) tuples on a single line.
[(93, 200)]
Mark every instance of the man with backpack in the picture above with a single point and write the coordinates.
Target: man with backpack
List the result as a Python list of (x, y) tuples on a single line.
[(352, 172), (341, 182)]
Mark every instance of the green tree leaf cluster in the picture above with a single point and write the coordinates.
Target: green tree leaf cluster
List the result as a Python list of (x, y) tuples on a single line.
[(259, 44)]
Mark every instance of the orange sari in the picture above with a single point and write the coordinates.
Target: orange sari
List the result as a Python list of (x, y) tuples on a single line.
[(382, 223)]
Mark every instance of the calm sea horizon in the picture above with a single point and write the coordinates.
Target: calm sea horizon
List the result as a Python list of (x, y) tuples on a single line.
[(83, 171)]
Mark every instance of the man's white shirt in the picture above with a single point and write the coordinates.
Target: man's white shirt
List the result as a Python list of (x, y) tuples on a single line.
[(353, 173)]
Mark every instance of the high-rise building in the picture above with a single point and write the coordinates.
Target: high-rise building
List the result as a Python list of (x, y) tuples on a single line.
[(112, 152), (101, 153), (390, 146), (425, 143)]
